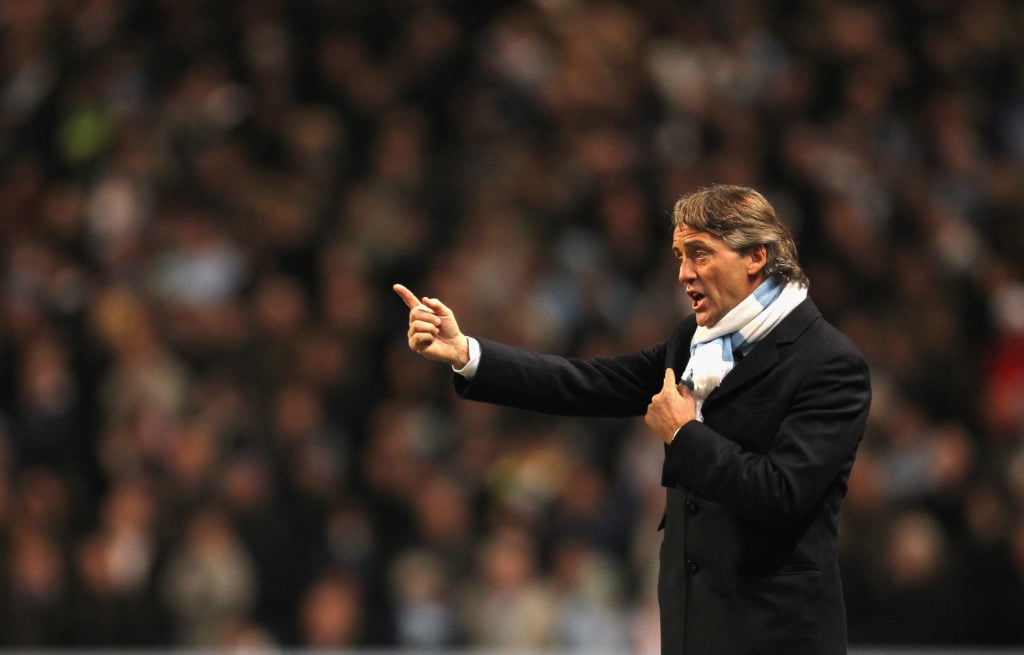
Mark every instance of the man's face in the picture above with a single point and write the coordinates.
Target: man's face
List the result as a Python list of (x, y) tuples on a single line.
[(715, 277)]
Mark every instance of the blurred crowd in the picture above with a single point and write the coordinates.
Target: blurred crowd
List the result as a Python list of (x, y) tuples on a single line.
[(213, 435)]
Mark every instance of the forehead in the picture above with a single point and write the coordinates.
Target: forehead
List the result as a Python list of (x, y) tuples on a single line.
[(684, 235)]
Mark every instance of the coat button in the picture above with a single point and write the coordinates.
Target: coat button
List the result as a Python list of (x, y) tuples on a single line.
[(691, 507), (692, 567)]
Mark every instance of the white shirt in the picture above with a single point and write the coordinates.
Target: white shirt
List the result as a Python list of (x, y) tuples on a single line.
[(469, 370)]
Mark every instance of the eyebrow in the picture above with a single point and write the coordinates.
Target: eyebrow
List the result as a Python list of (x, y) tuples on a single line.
[(696, 242)]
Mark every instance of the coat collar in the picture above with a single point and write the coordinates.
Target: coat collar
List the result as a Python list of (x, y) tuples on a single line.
[(765, 353)]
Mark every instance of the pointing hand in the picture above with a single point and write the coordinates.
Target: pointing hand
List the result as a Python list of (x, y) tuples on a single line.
[(433, 330)]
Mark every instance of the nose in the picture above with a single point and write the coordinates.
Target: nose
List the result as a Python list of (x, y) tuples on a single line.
[(687, 273)]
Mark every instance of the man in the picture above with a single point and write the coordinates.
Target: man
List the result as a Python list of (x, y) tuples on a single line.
[(760, 430)]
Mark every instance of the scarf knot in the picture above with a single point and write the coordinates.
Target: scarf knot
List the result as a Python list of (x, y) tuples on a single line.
[(712, 348)]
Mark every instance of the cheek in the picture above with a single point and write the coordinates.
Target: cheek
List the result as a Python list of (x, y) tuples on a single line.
[(712, 284), (724, 290)]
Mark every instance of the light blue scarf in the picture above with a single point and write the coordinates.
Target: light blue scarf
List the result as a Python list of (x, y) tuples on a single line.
[(712, 347)]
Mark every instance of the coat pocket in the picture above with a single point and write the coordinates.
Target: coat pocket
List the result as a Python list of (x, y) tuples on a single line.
[(783, 611), (748, 406), (797, 569)]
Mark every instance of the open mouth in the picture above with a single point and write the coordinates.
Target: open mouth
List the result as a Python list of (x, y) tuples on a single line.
[(695, 298)]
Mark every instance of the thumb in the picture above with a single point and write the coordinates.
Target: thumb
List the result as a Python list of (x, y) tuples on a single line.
[(437, 306), (670, 378)]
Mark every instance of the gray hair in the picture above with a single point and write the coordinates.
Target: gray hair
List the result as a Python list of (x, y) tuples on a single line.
[(744, 219)]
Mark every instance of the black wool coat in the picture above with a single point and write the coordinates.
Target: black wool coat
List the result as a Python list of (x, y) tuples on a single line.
[(749, 555)]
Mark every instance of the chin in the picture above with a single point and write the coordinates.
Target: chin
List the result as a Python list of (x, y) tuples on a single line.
[(707, 319)]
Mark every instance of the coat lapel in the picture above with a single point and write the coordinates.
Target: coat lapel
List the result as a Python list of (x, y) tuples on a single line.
[(765, 354)]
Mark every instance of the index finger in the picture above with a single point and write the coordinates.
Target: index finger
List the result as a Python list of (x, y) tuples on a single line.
[(408, 297), (670, 378)]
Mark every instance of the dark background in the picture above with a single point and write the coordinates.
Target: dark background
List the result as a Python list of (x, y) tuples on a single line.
[(213, 435)]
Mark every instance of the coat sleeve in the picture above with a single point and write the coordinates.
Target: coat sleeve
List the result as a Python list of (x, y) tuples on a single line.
[(812, 450), (565, 386)]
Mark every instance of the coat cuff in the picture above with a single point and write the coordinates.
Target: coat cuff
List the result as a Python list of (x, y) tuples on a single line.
[(672, 470)]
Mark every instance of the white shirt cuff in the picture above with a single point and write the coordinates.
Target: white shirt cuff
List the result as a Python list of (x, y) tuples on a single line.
[(469, 370)]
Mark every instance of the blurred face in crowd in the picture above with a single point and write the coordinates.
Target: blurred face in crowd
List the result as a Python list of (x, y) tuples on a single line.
[(715, 276)]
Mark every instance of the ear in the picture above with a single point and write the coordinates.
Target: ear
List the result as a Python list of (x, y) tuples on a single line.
[(757, 259)]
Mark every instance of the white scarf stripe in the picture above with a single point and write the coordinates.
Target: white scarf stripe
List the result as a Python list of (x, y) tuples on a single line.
[(711, 349)]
